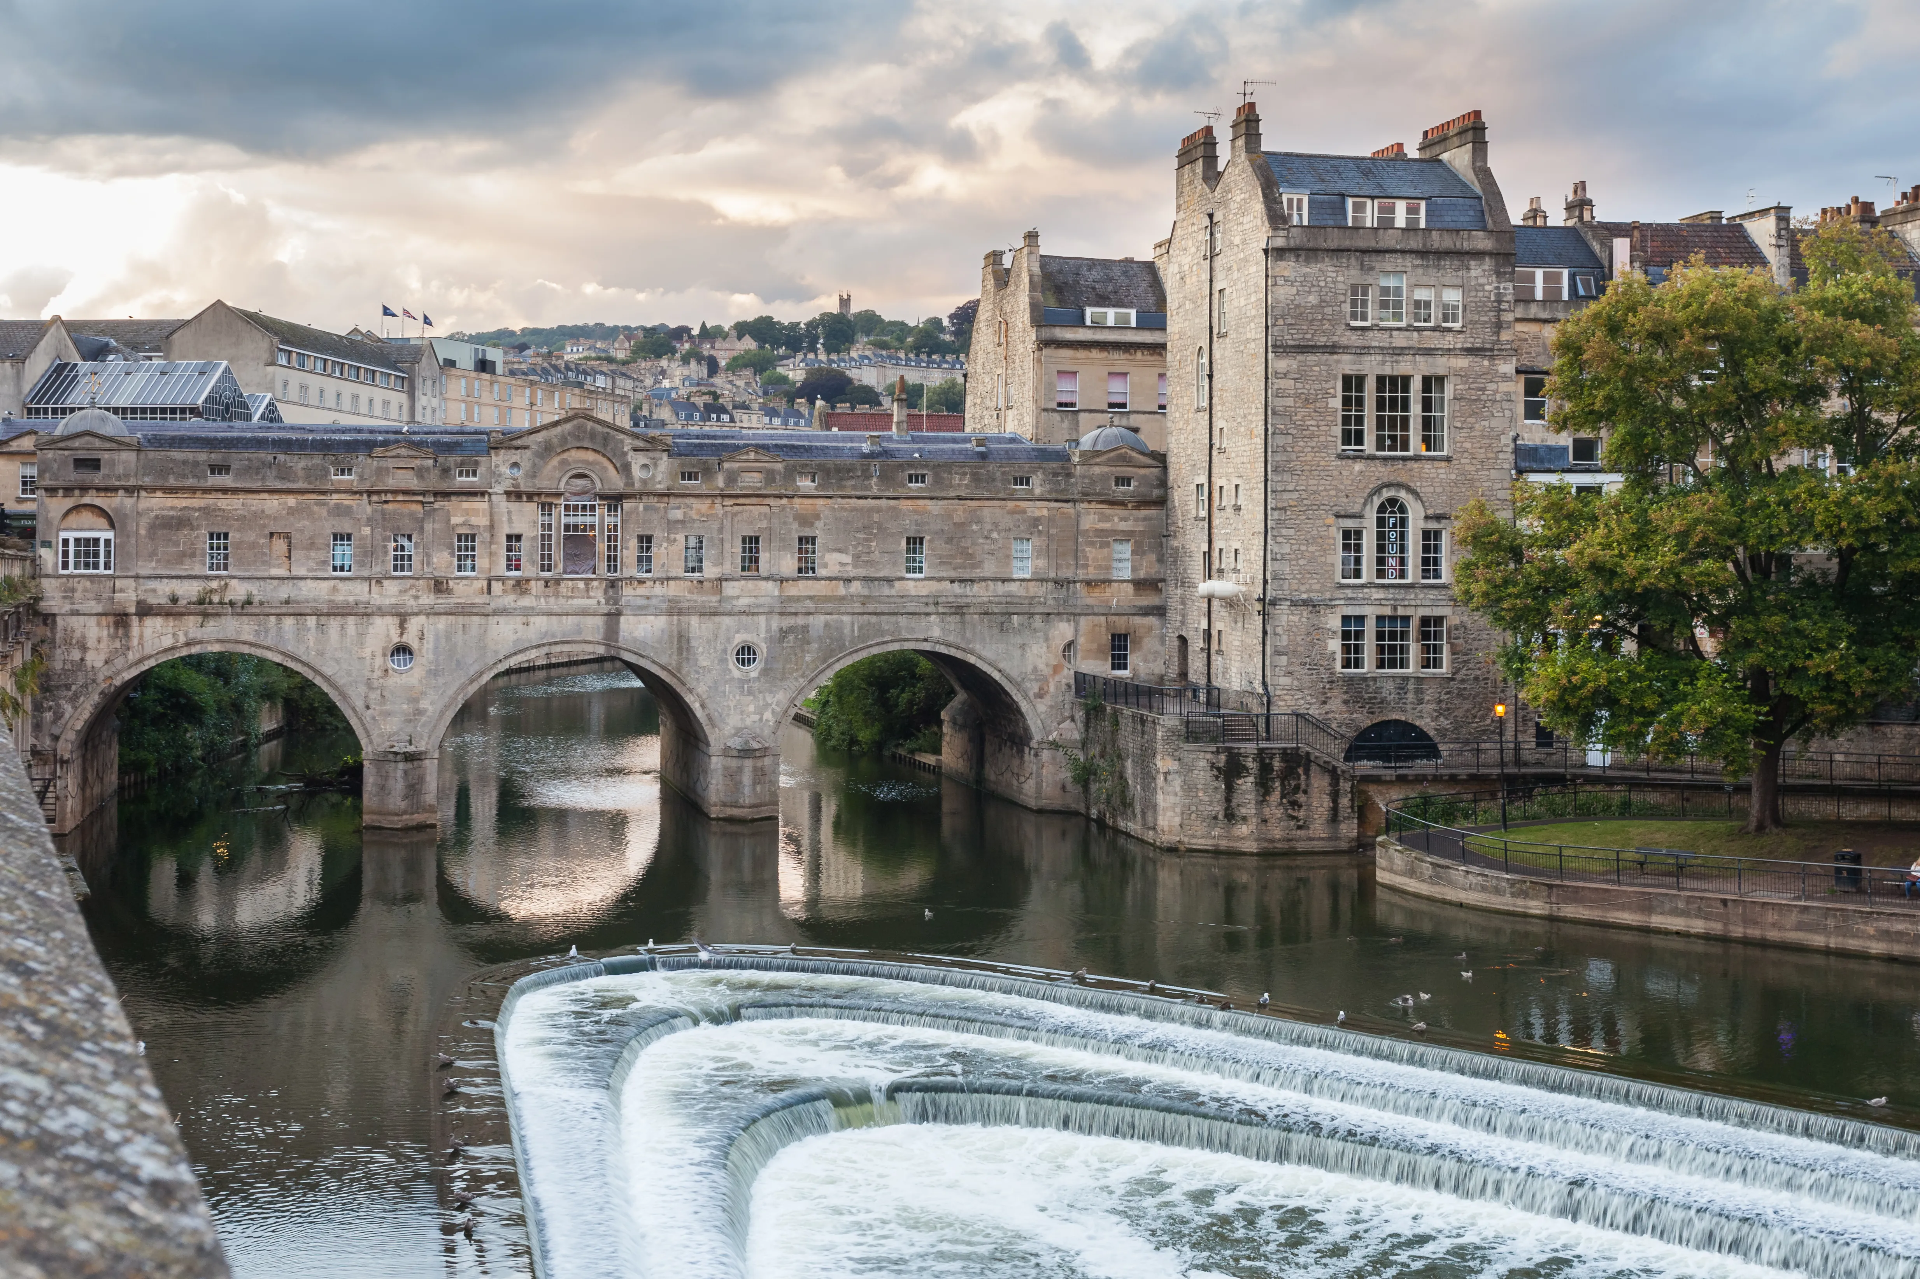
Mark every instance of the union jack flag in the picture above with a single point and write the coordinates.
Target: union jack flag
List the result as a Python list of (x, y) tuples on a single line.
[(410, 315)]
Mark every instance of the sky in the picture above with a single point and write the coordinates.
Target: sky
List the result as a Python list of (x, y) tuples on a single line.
[(529, 164)]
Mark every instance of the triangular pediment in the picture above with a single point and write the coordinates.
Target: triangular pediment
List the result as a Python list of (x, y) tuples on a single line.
[(401, 450), (577, 417), (88, 440), (752, 453), (652, 442), (1120, 455)]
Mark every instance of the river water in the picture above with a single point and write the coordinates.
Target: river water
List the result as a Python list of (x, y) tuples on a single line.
[(288, 971)]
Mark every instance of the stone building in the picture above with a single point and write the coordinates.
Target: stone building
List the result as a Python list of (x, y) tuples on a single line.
[(317, 377), (1341, 359), (1061, 345), (28, 348)]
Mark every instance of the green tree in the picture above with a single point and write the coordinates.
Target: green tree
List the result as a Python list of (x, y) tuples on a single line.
[(960, 322), (1725, 599), (877, 701), (654, 346), (948, 396), (825, 384), (862, 396), (777, 377), (760, 361), (197, 710)]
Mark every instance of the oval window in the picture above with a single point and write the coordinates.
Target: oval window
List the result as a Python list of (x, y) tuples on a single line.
[(746, 657), (400, 657), (513, 468)]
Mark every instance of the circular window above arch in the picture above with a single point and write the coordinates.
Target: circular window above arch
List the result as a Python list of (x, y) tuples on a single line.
[(400, 657), (513, 468), (746, 657)]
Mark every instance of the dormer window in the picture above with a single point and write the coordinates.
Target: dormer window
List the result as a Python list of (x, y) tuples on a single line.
[(1296, 206), (1110, 317), (1536, 284), (1362, 211)]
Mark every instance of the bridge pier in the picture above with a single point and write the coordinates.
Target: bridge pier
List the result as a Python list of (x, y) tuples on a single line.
[(400, 789)]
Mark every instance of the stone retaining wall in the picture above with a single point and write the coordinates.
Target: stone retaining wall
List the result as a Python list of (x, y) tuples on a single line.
[(93, 1178), (1886, 932)]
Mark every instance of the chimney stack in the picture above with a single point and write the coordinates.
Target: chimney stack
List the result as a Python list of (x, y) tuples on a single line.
[(1392, 151), (1199, 148), (1579, 207), (900, 407), (1246, 130), (1535, 215)]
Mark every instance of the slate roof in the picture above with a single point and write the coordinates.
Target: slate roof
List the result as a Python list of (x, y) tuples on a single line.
[(1553, 246), (332, 345), (1302, 173), (148, 337), (1085, 282), (12, 428), (248, 438), (930, 446), (1662, 244), (18, 337)]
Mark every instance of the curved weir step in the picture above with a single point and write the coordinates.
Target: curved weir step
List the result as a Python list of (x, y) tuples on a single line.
[(652, 1095)]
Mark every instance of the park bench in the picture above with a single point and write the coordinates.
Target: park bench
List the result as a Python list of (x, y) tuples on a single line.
[(1672, 859)]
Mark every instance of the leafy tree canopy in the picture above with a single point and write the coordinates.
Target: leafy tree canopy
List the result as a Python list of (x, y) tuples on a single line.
[(1730, 596), (861, 396), (824, 384), (880, 700), (759, 361), (198, 710), (948, 396)]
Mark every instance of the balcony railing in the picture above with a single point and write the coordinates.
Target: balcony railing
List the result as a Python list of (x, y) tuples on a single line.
[(1155, 699)]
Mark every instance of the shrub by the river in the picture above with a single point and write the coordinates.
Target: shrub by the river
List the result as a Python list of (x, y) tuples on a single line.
[(196, 710), (880, 701)]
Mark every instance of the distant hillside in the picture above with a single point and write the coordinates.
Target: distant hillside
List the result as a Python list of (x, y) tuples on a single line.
[(549, 338)]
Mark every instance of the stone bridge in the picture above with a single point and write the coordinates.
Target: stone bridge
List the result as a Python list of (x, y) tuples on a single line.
[(732, 571)]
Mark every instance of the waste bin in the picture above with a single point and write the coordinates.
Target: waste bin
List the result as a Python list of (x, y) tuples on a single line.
[(1846, 871)]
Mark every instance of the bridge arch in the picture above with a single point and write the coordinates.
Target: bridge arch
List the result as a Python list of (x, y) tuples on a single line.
[(86, 754)]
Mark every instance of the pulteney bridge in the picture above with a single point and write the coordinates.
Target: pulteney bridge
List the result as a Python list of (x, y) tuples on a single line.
[(732, 571)]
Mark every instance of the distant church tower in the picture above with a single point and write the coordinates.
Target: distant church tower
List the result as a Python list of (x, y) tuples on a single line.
[(846, 304)]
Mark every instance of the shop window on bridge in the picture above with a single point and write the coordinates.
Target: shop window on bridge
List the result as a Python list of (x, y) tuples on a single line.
[(86, 551)]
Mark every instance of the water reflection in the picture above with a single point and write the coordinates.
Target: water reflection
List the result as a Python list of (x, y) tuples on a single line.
[(288, 972)]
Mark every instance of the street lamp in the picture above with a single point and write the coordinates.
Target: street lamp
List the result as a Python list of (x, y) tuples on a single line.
[(1500, 722)]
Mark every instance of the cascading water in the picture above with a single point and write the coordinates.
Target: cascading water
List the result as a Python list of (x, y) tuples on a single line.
[(759, 1114)]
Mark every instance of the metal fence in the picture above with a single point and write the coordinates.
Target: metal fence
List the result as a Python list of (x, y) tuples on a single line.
[(1276, 728), (1155, 699), (1830, 767), (1453, 827)]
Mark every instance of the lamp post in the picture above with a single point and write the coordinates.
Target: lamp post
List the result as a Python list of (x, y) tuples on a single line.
[(1500, 723)]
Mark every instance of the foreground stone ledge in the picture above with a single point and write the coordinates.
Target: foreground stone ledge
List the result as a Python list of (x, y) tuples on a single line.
[(1844, 929), (93, 1178)]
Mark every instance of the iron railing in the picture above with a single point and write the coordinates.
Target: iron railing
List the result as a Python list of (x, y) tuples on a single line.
[(1830, 767), (1274, 728), (1155, 699), (1456, 828)]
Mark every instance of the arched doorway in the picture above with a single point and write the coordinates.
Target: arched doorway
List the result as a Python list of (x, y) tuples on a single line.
[(1393, 742)]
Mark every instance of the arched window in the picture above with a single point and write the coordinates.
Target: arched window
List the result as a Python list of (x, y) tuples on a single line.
[(1200, 378), (1391, 524)]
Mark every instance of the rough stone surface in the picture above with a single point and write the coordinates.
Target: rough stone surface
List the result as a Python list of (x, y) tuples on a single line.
[(93, 1178)]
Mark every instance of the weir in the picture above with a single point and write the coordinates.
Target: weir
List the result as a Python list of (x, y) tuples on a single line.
[(670, 1088)]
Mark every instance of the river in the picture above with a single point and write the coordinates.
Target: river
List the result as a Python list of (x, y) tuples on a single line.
[(287, 971)]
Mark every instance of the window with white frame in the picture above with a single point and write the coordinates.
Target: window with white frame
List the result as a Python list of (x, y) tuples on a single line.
[(467, 471), (546, 537), (1392, 643), (1359, 211), (1392, 413), (1393, 299), (466, 554), (749, 552), (1353, 643), (1353, 411), (1066, 389), (1420, 308), (515, 554), (1122, 559), (87, 551), (1113, 317), (689, 476), (1433, 643), (1399, 213), (29, 478), (1360, 304), (1450, 308), (1586, 449), (341, 558), (402, 562), (343, 472), (1119, 653), (610, 536), (1220, 321), (916, 557), (1296, 206), (1123, 481), (1433, 414), (219, 552), (916, 479), (1200, 378), (1539, 284), (1118, 391), (1023, 557), (806, 555), (1353, 554), (1533, 397), (1391, 526), (693, 555), (1023, 481), (1200, 500), (643, 555), (1433, 554)]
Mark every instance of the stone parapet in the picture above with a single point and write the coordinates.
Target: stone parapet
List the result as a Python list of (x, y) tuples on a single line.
[(95, 1182)]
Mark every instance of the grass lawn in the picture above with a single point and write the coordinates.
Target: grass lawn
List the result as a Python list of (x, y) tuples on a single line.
[(1879, 843)]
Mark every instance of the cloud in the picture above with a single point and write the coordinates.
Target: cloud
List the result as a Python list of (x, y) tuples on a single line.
[(513, 165)]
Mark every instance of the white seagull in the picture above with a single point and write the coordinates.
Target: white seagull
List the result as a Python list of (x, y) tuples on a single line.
[(1876, 1101), (1466, 976), (1340, 1018), (1264, 1001), (929, 913)]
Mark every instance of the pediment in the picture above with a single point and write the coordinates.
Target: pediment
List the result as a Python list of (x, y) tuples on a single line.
[(652, 442), (1120, 455), (752, 453), (401, 450), (578, 417), (89, 440)]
